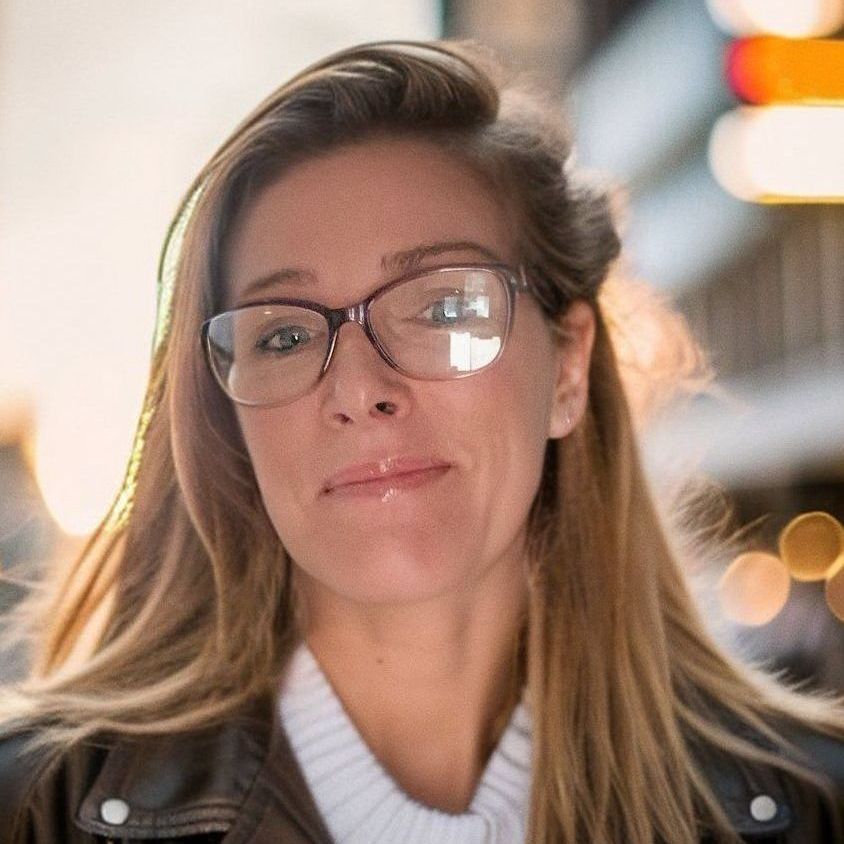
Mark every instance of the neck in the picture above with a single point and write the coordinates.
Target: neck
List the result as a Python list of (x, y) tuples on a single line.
[(429, 686)]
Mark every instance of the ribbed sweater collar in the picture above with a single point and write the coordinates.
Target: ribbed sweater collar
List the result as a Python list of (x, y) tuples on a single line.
[(359, 800)]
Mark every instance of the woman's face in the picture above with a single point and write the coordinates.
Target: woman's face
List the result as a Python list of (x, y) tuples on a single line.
[(338, 216)]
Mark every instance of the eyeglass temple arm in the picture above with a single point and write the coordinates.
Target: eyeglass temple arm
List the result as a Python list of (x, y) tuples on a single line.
[(523, 284)]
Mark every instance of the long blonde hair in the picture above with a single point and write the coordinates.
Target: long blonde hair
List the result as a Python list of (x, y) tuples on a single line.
[(180, 608)]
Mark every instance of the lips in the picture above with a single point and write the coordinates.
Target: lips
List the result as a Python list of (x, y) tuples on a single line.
[(384, 468)]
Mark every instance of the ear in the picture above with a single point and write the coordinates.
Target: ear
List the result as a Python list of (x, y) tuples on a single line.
[(573, 353)]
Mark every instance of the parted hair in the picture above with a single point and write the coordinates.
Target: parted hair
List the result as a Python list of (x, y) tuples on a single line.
[(181, 608)]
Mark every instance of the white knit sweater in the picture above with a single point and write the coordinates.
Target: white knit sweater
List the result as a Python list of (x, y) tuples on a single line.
[(362, 804)]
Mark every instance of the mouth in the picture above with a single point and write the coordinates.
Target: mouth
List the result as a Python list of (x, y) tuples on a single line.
[(384, 470), (389, 487)]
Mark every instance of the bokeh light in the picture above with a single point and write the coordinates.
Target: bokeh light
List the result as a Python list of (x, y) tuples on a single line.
[(779, 153), (792, 18), (78, 463), (811, 544), (754, 588), (768, 69), (834, 588)]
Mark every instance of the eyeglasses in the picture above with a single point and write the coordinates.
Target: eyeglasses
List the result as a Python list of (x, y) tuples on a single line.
[(432, 324)]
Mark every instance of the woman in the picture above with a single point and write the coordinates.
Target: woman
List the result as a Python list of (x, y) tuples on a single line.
[(400, 581)]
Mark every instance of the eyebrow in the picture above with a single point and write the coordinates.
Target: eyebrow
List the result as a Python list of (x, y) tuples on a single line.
[(396, 262)]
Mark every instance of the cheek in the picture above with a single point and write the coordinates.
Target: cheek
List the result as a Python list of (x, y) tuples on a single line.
[(268, 440), (524, 381), (524, 392), (508, 417)]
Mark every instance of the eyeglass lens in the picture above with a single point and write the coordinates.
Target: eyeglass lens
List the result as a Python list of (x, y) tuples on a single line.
[(436, 326)]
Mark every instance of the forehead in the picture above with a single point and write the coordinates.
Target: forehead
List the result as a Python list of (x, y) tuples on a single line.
[(337, 215)]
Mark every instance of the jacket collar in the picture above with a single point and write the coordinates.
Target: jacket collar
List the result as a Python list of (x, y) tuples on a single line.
[(205, 781), (200, 782)]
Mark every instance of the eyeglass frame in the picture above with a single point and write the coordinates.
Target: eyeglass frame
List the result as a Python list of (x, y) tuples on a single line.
[(515, 281)]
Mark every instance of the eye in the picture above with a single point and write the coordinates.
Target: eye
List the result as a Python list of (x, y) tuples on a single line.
[(455, 309), (285, 338), (447, 310)]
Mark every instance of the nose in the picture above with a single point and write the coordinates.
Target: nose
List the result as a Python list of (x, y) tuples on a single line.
[(358, 381)]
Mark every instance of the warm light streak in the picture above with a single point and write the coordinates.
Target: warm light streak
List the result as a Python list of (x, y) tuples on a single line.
[(791, 18), (767, 69), (778, 154)]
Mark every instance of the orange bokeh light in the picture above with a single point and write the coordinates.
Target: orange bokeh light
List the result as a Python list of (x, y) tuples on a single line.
[(768, 69)]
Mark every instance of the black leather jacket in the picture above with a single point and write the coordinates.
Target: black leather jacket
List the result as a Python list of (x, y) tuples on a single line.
[(241, 783)]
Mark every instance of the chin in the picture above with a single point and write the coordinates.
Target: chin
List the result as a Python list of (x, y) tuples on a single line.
[(401, 583)]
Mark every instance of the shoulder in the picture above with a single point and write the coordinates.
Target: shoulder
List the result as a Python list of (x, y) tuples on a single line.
[(764, 800), (18, 771), (179, 783), (823, 754), (37, 785)]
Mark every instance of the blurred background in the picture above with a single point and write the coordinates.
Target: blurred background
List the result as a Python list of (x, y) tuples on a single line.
[(720, 120)]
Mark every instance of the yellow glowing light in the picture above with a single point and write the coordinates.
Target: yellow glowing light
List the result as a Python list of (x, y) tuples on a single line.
[(780, 153), (791, 18), (754, 588), (812, 545)]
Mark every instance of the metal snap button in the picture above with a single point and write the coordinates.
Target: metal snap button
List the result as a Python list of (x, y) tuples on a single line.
[(763, 807), (114, 810)]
